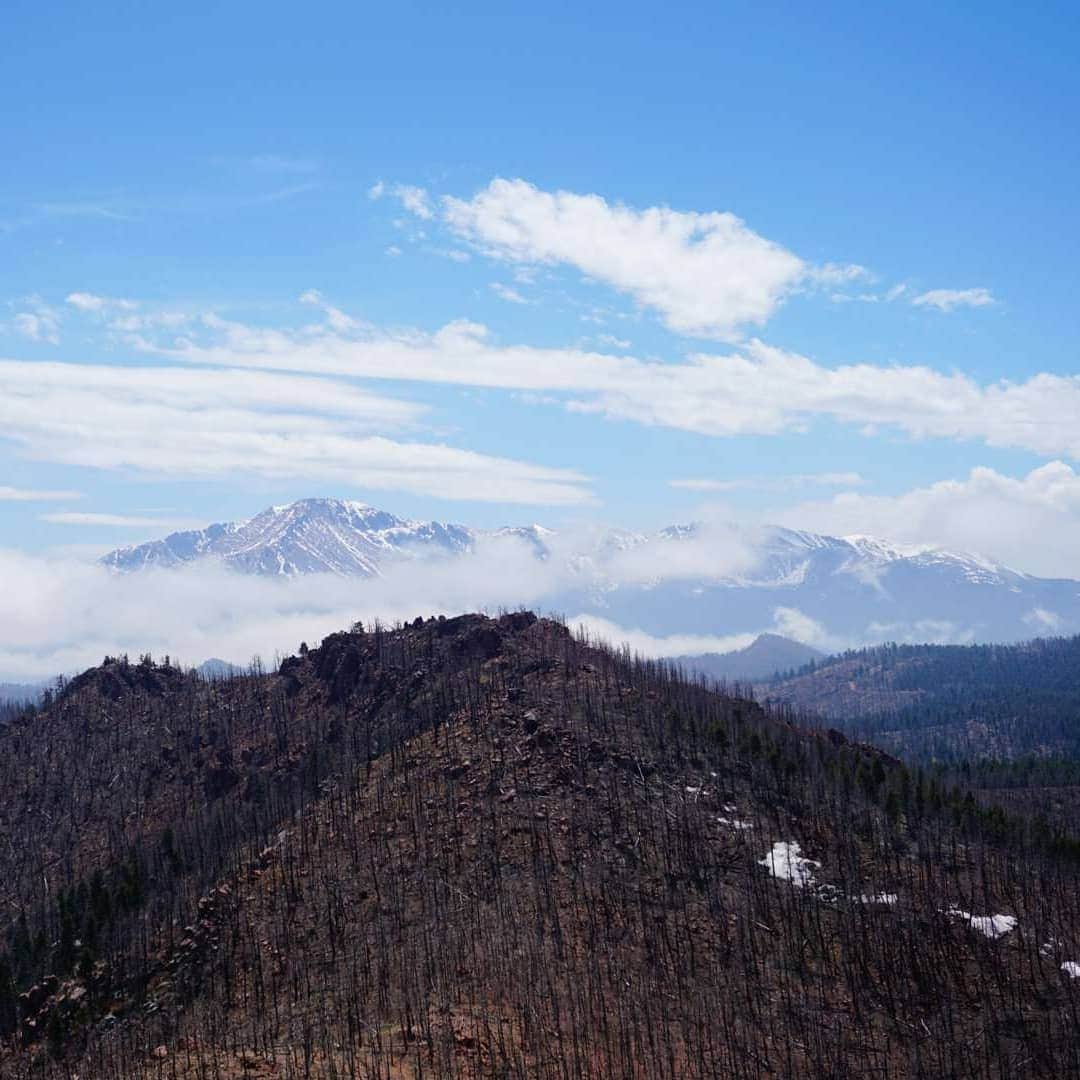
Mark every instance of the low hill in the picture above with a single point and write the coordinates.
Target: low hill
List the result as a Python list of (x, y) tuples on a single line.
[(482, 847), (766, 656), (948, 702)]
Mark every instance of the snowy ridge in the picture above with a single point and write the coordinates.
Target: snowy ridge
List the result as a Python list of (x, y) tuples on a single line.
[(310, 536), (696, 579), (344, 536)]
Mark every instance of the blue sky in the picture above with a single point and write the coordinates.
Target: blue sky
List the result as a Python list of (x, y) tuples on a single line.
[(261, 243)]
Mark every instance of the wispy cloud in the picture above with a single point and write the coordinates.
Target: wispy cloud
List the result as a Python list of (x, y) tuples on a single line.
[(755, 390), (772, 483), (84, 208), (125, 521), (944, 300), (950, 299), (84, 301), (37, 322), (505, 292), (181, 422), (14, 494), (415, 200), (36, 327)]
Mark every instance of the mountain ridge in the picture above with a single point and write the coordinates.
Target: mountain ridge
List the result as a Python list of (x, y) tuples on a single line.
[(698, 578)]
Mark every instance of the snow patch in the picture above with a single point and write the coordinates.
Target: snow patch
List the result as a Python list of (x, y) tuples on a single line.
[(785, 862), (991, 926), (734, 823)]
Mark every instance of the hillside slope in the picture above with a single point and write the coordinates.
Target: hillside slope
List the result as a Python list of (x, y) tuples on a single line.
[(481, 847), (948, 702)]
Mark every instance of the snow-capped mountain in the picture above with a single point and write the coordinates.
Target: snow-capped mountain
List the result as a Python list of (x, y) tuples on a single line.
[(693, 579), (310, 536), (791, 557), (317, 536), (832, 592)]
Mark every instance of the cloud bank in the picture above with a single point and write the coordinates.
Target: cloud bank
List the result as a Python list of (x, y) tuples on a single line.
[(756, 390), (1030, 522), (63, 613)]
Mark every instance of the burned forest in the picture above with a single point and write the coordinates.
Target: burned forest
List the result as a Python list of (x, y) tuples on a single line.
[(487, 847)]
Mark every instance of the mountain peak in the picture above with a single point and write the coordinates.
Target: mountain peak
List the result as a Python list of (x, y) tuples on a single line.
[(314, 535), (767, 654)]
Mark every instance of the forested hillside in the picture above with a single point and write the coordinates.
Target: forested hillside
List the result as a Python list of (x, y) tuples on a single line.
[(948, 702), (482, 847)]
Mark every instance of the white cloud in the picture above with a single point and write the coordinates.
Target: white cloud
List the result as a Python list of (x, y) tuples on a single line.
[(950, 299), (711, 550), (788, 622), (377, 190), (415, 199), (186, 422), (37, 326), (795, 624), (707, 274), (336, 319), (613, 342), (504, 292), (889, 296), (453, 254), (125, 521), (52, 607), (38, 322), (835, 274), (1030, 522), (758, 390), (772, 483), (1044, 621), (14, 494), (91, 302), (640, 641)]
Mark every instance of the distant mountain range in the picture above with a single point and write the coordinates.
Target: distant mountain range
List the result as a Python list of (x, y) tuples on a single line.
[(829, 592)]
